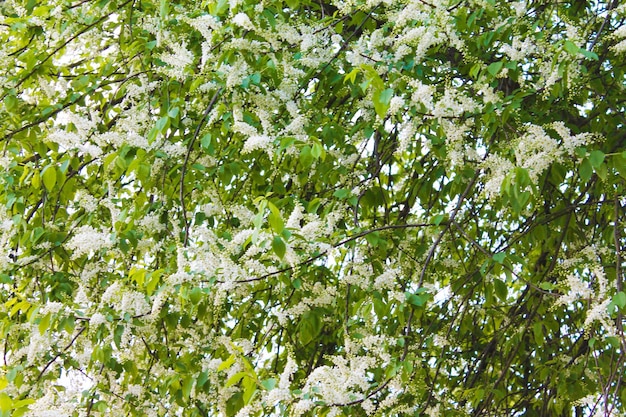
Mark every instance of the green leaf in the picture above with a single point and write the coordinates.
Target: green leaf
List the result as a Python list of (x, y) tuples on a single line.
[(585, 170), (155, 277), (36, 180), (373, 238), (580, 151), (381, 101), (614, 341), (249, 389), (501, 289), (602, 171), (279, 247), (372, 77), (548, 286), (195, 295), (620, 299), (203, 377), (475, 70), (49, 176), (495, 67), (596, 158), (275, 220), (227, 363), (6, 403), (571, 48), (306, 156), (269, 384), (317, 150), (499, 257), (310, 326), (217, 8), (152, 134), (187, 386), (589, 54), (10, 102), (162, 124), (44, 323), (351, 76), (416, 299), (163, 9), (538, 334), (173, 112), (341, 193)]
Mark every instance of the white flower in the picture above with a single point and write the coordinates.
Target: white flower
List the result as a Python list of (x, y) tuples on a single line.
[(535, 151), (135, 390), (134, 303), (396, 104), (51, 307), (177, 60), (87, 240), (387, 280), (295, 217), (256, 142), (570, 142), (242, 20), (81, 297), (518, 50), (499, 167), (97, 319)]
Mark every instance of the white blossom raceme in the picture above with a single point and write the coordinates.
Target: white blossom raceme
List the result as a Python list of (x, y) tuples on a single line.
[(86, 240)]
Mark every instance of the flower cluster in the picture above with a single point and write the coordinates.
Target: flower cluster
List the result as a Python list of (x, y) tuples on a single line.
[(87, 240)]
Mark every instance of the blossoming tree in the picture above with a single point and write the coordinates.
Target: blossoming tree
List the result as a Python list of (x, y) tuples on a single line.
[(312, 208)]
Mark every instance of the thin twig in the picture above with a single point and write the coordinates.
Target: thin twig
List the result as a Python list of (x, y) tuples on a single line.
[(606, 19), (69, 345), (336, 245), (184, 168)]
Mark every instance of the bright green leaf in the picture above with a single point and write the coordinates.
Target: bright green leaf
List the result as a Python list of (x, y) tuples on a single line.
[(382, 98), (6, 403), (275, 219), (44, 324), (49, 176)]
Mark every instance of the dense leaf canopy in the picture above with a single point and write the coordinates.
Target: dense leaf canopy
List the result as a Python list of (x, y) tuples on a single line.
[(312, 207)]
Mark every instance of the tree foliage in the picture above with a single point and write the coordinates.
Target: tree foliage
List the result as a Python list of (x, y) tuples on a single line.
[(312, 208)]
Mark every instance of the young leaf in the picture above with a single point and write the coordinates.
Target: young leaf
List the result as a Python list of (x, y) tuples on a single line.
[(275, 220), (382, 98), (49, 176)]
